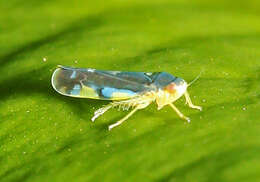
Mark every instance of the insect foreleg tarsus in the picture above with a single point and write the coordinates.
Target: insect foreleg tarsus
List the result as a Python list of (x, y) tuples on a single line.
[(190, 104)]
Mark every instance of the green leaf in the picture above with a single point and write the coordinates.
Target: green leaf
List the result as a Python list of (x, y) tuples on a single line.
[(48, 137)]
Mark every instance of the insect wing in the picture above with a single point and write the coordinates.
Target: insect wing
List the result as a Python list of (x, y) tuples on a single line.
[(95, 84)]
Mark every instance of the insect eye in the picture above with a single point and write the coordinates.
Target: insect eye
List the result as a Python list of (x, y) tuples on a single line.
[(180, 82)]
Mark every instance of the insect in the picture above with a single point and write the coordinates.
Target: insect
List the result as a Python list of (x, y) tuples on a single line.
[(125, 89)]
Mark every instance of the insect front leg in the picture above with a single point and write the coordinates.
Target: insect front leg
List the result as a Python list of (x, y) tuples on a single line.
[(188, 101), (179, 113)]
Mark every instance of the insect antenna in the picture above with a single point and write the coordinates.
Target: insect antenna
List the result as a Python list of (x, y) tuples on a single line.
[(197, 77)]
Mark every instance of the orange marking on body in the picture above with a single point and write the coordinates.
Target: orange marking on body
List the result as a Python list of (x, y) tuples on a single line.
[(171, 88)]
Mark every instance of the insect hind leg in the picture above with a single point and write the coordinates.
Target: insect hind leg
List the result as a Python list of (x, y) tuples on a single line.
[(101, 111), (136, 107), (123, 119)]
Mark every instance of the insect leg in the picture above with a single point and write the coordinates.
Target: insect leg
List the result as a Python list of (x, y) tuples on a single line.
[(179, 112), (101, 111), (188, 101), (123, 119)]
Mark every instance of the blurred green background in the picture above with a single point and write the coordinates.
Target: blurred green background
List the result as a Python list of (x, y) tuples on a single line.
[(48, 137)]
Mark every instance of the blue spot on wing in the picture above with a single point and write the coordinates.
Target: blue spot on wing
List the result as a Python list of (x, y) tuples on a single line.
[(75, 90), (73, 75), (108, 92)]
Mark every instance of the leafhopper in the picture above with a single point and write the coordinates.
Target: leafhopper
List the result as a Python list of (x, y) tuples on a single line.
[(126, 90)]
